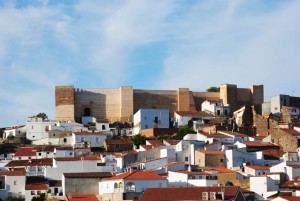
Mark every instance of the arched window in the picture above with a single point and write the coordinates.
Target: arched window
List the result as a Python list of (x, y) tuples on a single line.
[(120, 185), (130, 186), (87, 111), (116, 185)]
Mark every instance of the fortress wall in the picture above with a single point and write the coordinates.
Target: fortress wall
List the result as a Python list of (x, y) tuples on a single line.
[(257, 94), (126, 103), (183, 99), (244, 95), (200, 97), (64, 103), (103, 103), (155, 99)]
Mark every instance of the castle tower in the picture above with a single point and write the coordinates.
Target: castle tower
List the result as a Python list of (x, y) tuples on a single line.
[(126, 103), (183, 99), (64, 103), (228, 94)]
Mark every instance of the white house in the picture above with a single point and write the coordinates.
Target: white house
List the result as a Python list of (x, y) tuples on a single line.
[(88, 139), (216, 108), (62, 152), (129, 182), (35, 189), (263, 187), (12, 183), (150, 118), (255, 170), (16, 131), (182, 118), (67, 126), (76, 164), (192, 178), (25, 153), (36, 128), (290, 168)]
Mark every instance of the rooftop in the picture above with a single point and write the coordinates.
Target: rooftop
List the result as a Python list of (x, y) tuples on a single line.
[(136, 175)]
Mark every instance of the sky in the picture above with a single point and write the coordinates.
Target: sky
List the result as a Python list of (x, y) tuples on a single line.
[(147, 44)]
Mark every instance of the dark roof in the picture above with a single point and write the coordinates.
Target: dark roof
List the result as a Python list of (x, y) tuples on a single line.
[(88, 175), (187, 193), (32, 162), (118, 141), (193, 113), (55, 183)]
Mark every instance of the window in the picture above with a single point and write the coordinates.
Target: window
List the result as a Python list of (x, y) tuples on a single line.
[(65, 140), (156, 120), (15, 182), (38, 192), (146, 126), (130, 186), (70, 153), (19, 158), (32, 192), (33, 136), (48, 152), (186, 158), (29, 157), (221, 160), (120, 185), (103, 127), (31, 127), (116, 185), (40, 154), (225, 112), (218, 112), (53, 134)]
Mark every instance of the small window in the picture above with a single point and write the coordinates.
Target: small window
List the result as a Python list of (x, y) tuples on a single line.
[(15, 182), (38, 192), (33, 136), (65, 140), (40, 154), (103, 127), (32, 192), (186, 158), (19, 158), (31, 127), (53, 134), (29, 157), (146, 126), (221, 160), (70, 153), (48, 152)]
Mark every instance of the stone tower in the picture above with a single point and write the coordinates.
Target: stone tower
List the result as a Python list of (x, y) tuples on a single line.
[(64, 103)]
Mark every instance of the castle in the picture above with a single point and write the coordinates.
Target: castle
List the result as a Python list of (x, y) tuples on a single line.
[(120, 104)]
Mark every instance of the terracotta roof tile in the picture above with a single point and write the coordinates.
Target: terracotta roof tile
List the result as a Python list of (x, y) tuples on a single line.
[(86, 158), (12, 173), (82, 197), (187, 193), (25, 151), (88, 133), (223, 170), (258, 144), (172, 142), (155, 143), (290, 131), (136, 176), (256, 167), (88, 175), (146, 147), (41, 186), (119, 141)]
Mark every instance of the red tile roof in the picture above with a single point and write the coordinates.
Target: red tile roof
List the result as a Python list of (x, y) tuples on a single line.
[(40, 186), (214, 152), (187, 193), (258, 144), (193, 172), (172, 142), (223, 170), (137, 176), (88, 175), (155, 143), (25, 151), (86, 158), (256, 167), (32, 162), (172, 164), (193, 113), (118, 141), (13, 173), (146, 147), (290, 131), (81, 197)]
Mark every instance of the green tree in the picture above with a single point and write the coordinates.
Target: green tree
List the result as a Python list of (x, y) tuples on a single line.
[(183, 131), (213, 89), (138, 139), (41, 197), (10, 137), (15, 198), (42, 115)]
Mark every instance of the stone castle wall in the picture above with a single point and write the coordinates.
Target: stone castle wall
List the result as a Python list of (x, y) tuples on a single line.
[(120, 104)]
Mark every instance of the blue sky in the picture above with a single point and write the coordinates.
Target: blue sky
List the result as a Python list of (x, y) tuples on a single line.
[(145, 44)]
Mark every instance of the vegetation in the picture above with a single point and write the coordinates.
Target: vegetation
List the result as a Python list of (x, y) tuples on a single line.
[(213, 89), (14, 198), (10, 137), (183, 131), (138, 139), (1, 135), (42, 115), (41, 197)]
